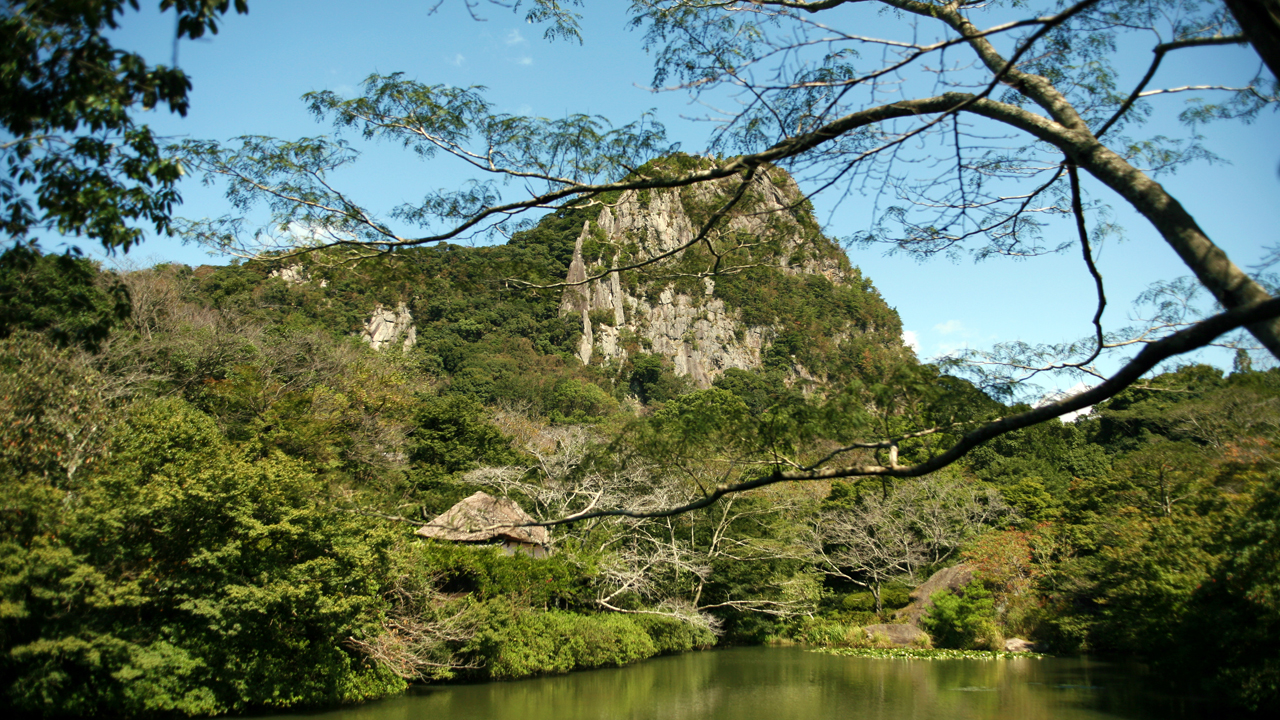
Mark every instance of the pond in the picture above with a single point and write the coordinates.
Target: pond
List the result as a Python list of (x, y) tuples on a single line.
[(778, 683)]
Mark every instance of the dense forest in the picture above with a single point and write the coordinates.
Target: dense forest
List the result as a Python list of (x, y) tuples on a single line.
[(212, 483), (214, 477), (218, 485)]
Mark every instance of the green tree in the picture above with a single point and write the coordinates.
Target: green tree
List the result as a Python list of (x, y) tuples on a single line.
[(67, 100), (964, 620), (183, 578), (63, 296), (452, 435), (653, 380), (1240, 600), (54, 415)]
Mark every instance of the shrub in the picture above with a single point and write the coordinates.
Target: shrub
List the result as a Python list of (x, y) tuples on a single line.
[(518, 642), (822, 632), (964, 622), (487, 573), (671, 636)]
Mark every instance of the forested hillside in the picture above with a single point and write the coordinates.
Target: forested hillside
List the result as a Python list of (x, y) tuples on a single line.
[(213, 478)]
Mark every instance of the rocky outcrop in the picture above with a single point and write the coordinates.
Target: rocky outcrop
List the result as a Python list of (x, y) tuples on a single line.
[(387, 327), (295, 275), (952, 578), (701, 335)]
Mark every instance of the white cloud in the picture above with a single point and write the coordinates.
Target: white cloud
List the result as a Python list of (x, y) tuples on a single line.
[(525, 61), (951, 349), (514, 38), (1063, 394), (911, 340), (456, 60), (949, 327)]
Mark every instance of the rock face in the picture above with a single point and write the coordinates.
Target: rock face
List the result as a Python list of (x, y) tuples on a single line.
[(701, 335), (295, 275), (386, 327), (952, 578)]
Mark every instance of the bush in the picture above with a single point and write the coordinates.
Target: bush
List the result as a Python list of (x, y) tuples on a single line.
[(519, 643), (671, 636), (488, 574), (64, 297), (822, 632), (891, 596), (578, 401), (963, 622)]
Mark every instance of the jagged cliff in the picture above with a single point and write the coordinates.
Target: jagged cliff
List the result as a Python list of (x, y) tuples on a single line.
[(702, 308)]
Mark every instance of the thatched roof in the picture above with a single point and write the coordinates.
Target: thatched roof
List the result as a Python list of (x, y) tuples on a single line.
[(483, 517)]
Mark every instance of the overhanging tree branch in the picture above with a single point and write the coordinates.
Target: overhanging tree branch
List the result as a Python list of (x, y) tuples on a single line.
[(1199, 335)]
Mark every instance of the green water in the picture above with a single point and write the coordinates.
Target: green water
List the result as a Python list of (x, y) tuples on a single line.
[(779, 683)]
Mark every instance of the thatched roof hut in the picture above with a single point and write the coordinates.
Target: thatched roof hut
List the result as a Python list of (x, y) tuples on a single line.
[(482, 518)]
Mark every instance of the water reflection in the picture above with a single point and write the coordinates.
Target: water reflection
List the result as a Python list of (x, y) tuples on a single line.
[(778, 683)]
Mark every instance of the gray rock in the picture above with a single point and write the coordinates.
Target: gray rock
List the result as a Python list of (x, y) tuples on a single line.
[(388, 326), (1019, 645), (952, 578), (292, 275), (898, 635), (698, 332)]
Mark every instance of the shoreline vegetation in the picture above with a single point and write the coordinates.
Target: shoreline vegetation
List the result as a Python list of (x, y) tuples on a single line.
[(931, 654)]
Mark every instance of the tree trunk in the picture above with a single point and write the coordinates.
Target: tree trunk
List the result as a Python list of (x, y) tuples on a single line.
[(1260, 22), (1230, 285)]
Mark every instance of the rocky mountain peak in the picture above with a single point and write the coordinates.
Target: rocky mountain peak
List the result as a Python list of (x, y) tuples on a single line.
[(678, 307)]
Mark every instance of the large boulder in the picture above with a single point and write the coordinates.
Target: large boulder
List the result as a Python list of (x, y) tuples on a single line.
[(952, 578), (1018, 645), (898, 635)]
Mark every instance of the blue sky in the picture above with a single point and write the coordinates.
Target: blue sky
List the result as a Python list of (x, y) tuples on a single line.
[(248, 78)]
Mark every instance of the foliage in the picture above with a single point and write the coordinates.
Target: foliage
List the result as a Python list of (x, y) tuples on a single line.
[(450, 433), (653, 380), (963, 621), (1240, 601), (196, 513), (486, 574), (271, 422), (870, 536), (930, 654), (825, 633), (63, 296), (518, 643), (1034, 467), (163, 580), (1004, 562), (67, 101), (672, 635), (55, 414)]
